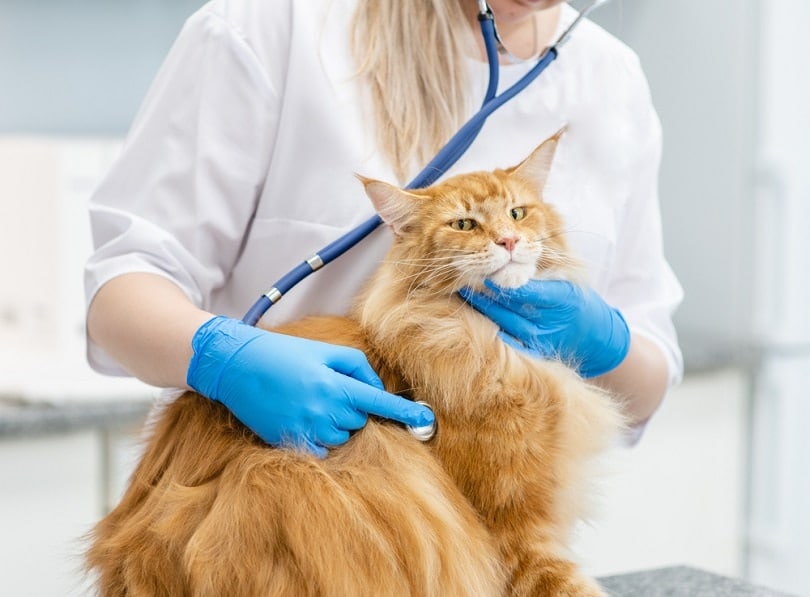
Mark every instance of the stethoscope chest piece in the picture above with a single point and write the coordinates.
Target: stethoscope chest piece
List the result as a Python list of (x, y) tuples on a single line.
[(425, 432)]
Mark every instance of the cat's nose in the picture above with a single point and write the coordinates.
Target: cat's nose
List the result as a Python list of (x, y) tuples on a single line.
[(508, 243)]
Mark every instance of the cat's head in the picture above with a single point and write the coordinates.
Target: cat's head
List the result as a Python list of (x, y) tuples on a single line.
[(477, 226)]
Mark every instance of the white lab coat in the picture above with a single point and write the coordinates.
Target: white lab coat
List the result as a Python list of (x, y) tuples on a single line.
[(240, 165)]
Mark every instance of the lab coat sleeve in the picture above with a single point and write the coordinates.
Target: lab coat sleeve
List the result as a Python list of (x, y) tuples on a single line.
[(643, 286), (180, 198)]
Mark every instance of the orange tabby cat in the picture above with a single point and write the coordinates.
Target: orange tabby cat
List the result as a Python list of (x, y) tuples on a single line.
[(484, 508)]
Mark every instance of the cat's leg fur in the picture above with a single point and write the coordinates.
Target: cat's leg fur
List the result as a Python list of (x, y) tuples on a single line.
[(573, 424), (519, 436)]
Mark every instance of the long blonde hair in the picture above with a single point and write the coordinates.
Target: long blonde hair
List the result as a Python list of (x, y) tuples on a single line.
[(411, 54)]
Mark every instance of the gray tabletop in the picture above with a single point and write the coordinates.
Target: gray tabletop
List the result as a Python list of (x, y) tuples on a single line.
[(681, 581), (20, 418)]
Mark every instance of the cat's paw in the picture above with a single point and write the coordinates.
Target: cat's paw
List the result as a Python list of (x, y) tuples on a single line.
[(555, 583), (580, 586)]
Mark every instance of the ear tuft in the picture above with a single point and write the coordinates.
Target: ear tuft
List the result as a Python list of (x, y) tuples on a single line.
[(537, 166), (392, 204)]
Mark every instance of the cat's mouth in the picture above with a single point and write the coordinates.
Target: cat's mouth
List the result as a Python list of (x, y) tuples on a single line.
[(503, 268)]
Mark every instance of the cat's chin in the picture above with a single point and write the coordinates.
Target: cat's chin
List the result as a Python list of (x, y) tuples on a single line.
[(513, 275)]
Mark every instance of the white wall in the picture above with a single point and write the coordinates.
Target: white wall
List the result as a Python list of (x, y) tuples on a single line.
[(53, 487), (678, 497), (96, 56), (45, 185)]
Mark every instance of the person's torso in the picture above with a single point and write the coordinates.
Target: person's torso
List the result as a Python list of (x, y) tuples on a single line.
[(326, 134)]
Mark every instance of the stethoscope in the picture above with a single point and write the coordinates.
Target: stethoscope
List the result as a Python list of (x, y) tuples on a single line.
[(443, 160)]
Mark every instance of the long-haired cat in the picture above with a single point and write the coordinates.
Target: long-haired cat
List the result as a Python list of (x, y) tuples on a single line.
[(483, 509)]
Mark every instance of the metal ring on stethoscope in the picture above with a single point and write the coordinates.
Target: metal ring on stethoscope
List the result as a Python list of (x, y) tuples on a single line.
[(485, 13)]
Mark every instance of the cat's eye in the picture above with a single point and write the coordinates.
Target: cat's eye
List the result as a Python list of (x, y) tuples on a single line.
[(463, 225), (517, 213)]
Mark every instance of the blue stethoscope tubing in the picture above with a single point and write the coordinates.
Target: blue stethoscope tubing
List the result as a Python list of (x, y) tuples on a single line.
[(447, 156)]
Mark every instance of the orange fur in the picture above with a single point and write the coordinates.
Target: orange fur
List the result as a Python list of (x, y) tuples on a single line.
[(484, 508)]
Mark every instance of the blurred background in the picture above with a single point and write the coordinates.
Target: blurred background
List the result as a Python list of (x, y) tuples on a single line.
[(721, 481)]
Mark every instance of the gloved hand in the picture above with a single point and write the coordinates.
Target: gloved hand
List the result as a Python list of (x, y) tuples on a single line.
[(292, 391), (555, 318)]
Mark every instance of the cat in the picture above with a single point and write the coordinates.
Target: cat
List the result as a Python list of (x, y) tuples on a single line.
[(484, 508)]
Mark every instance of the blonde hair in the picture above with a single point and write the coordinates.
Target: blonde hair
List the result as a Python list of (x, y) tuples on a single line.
[(411, 55)]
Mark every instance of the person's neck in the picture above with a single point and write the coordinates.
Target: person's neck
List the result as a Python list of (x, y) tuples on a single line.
[(524, 36)]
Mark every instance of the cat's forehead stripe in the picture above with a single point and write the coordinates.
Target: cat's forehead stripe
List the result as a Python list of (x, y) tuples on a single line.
[(478, 188)]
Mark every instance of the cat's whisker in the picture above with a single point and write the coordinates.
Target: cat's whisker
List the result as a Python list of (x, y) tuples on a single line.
[(435, 283), (422, 263), (440, 254), (462, 305), (427, 274), (428, 277), (426, 261), (555, 233)]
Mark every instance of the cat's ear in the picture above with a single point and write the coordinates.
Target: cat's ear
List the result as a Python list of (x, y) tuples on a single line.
[(537, 166), (392, 203)]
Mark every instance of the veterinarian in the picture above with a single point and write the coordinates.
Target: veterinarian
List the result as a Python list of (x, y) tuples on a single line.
[(241, 163)]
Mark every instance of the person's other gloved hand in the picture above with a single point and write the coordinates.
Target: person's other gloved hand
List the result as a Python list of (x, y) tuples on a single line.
[(555, 318), (291, 391)]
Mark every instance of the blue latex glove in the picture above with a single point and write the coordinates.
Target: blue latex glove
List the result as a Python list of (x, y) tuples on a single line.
[(554, 318), (292, 391)]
